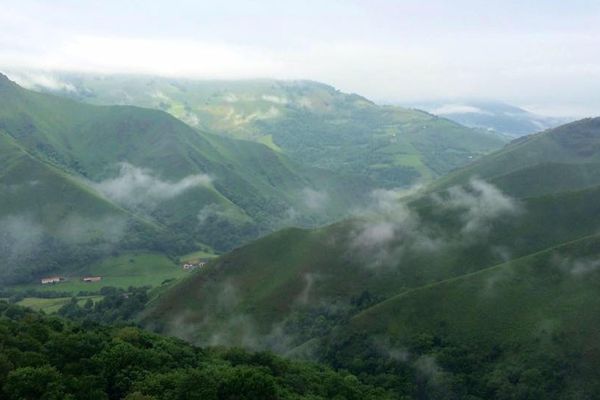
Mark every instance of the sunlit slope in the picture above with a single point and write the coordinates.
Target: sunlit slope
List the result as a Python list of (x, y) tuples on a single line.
[(206, 188), (311, 122)]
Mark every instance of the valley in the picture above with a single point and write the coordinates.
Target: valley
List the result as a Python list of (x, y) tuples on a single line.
[(395, 243)]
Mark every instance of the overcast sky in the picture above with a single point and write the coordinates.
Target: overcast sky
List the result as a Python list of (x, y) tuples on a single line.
[(544, 55)]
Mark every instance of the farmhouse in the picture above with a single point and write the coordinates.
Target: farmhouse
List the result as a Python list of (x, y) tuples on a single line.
[(51, 279), (190, 266), (91, 278)]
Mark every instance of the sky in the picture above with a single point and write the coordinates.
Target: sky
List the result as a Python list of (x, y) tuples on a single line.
[(543, 55)]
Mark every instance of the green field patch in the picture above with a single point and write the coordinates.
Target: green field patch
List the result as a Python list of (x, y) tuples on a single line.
[(53, 305), (123, 271)]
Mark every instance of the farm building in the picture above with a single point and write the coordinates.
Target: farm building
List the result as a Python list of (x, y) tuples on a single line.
[(91, 278), (51, 279)]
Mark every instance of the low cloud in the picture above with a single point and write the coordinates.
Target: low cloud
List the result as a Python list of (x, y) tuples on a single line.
[(480, 203), (39, 80), (390, 227), (577, 267), (315, 200), (450, 109), (275, 99), (136, 186), (20, 236)]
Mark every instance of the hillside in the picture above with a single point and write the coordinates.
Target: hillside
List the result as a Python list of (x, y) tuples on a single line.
[(489, 281), (312, 123), (560, 159), (492, 116), (51, 358), (193, 188)]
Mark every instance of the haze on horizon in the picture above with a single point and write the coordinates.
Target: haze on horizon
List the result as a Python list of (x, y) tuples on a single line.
[(541, 55)]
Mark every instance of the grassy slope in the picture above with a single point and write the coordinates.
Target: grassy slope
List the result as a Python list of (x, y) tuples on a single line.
[(563, 158), (270, 275), (251, 183), (312, 122)]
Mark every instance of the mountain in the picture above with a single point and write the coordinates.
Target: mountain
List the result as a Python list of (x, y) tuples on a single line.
[(492, 116), (74, 169), (486, 281), (312, 123)]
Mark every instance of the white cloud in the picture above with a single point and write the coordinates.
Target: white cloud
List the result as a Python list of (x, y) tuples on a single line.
[(449, 109), (577, 267), (315, 200), (136, 186), (480, 204), (39, 80)]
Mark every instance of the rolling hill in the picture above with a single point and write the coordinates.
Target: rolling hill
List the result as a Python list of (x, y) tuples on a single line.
[(484, 267), (73, 167), (312, 123), (492, 116)]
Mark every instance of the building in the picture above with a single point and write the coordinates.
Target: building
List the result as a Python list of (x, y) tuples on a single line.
[(91, 278), (51, 279)]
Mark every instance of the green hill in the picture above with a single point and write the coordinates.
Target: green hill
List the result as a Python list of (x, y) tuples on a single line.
[(312, 123), (489, 289), (563, 158), (191, 188)]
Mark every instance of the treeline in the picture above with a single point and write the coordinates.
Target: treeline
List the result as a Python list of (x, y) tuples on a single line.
[(117, 306), (50, 358)]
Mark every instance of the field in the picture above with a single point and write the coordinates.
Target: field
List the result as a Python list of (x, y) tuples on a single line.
[(133, 269), (53, 305)]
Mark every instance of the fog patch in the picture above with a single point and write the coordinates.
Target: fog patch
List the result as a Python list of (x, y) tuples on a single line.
[(479, 203), (309, 281), (136, 186), (578, 267), (315, 200), (275, 99), (389, 228), (20, 236), (37, 81), (450, 109)]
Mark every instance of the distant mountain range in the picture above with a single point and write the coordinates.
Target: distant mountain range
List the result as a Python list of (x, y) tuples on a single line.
[(492, 116)]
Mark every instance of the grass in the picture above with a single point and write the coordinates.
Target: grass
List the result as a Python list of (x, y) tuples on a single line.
[(53, 305), (197, 256), (133, 269)]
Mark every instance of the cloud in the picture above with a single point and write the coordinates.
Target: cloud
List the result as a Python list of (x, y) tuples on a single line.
[(577, 267), (449, 109), (389, 228), (136, 186), (40, 80), (20, 236), (315, 200), (275, 99), (480, 203)]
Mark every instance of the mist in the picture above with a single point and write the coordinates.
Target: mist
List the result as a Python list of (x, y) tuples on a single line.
[(135, 186)]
